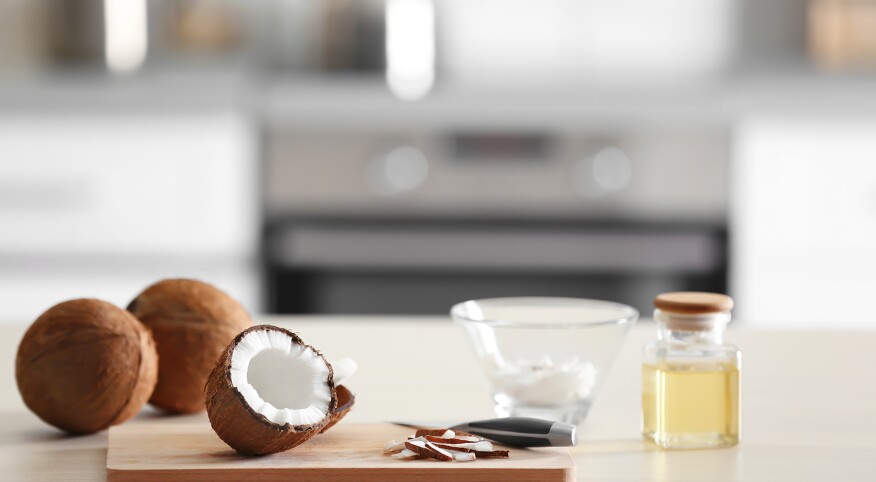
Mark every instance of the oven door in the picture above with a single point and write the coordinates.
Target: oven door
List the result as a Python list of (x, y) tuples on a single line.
[(381, 267)]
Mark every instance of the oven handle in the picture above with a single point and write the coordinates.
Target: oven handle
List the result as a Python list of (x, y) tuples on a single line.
[(454, 249)]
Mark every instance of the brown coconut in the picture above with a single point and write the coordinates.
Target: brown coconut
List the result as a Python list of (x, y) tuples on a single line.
[(346, 399), (85, 365), (241, 426), (192, 322)]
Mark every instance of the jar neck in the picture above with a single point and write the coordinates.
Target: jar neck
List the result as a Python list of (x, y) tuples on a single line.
[(705, 328), (713, 337)]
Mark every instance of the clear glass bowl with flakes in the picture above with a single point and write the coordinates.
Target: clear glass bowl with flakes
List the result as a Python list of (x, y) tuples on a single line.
[(544, 357)]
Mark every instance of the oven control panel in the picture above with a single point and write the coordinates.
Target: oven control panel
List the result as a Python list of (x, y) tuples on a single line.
[(661, 173)]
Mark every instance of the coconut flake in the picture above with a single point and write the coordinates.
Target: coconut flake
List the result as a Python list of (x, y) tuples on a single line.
[(463, 456), (493, 454), (432, 438), (467, 438), (407, 454), (444, 455), (429, 444), (343, 370), (393, 446), (482, 446), (428, 450)]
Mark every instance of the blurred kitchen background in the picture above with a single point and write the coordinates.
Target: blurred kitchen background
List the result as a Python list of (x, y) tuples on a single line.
[(398, 156)]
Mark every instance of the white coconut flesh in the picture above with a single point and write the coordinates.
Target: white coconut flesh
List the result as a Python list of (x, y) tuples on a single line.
[(344, 369), (284, 381)]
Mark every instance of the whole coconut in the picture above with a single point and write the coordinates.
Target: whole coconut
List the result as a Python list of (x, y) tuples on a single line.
[(192, 323), (86, 364)]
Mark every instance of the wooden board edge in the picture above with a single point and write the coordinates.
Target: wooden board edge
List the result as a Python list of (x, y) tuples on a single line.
[(402, 474)]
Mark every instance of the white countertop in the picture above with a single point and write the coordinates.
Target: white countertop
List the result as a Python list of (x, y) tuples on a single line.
[(309, 100), (807, 403)]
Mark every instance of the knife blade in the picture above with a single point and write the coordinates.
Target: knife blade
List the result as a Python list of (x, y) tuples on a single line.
[(514, 431)]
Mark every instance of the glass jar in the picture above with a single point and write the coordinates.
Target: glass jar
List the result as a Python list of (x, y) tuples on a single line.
[(690, 377)]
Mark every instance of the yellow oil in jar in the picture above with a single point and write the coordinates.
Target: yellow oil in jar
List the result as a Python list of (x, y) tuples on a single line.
[(691, 406)]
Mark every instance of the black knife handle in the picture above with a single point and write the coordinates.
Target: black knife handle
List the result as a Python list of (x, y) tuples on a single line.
[(515, 424), (523, 431)]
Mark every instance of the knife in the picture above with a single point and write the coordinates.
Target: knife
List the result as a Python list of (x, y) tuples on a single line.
[(515, 431)]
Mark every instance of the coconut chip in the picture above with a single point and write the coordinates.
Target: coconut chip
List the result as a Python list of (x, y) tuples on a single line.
[(440, 434), (458, 444), (443, 445), (392, 446), (463, 456), (492, 454), (407, 454)]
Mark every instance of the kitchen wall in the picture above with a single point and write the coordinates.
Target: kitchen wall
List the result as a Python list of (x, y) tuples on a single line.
[(396, 156)]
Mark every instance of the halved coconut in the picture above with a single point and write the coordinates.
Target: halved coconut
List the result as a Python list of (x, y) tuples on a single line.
[(269, 392)]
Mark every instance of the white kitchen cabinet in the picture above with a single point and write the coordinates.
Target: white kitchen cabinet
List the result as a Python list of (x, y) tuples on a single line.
[(803, 222), (124, 184), (104, 203)]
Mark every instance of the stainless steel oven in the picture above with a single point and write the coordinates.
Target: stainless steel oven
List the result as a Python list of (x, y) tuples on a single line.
[(411, 216)]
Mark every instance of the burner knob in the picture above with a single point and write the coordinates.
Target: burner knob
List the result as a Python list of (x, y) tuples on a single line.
[(608, 170), (400, 170)]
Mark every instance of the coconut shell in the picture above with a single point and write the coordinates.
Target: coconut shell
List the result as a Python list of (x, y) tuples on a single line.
[(346, 399), (192, 322), (86, 364), (241, 427)]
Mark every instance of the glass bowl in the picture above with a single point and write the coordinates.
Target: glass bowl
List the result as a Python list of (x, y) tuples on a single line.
[(544, 357)]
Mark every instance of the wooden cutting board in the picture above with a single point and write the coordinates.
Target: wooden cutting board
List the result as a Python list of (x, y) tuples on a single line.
[(186, 450)]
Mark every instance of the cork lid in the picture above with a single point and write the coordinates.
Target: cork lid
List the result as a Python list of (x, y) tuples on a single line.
[(693, 302)]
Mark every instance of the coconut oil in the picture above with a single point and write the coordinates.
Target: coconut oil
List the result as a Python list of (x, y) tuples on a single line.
[(691, 405), (690, 378)]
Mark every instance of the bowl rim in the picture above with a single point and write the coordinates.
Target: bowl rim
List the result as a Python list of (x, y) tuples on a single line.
[(627, 315)]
